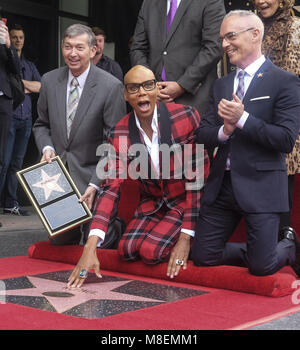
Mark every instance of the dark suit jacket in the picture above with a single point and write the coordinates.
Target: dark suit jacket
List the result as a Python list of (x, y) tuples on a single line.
[(190, 51), (100, 107), (110, 66), (257, 152), (177, 124), (9, 63)]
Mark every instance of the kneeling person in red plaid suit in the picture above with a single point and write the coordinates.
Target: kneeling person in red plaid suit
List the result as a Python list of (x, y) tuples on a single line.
[(170, 187)]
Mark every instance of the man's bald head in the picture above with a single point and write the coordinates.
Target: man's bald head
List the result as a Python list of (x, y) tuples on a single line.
[(249, 18), (138, 70)]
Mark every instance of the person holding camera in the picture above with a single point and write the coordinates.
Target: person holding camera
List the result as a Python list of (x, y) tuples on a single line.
[(9, 64)]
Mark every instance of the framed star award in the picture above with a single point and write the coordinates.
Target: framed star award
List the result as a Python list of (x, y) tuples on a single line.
[(54, 196)]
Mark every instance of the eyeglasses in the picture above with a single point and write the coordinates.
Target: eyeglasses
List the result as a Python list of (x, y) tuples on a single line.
[(133, 88), (231, 36)]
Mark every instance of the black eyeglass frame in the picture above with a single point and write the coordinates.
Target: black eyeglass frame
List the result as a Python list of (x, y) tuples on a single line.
[(143, 85)]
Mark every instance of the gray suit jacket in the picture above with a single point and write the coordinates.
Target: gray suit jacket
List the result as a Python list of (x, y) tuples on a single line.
[(100, 107), (190, 51)]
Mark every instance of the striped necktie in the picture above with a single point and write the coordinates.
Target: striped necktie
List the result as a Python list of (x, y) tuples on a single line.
[(72, 104), (240, 91)]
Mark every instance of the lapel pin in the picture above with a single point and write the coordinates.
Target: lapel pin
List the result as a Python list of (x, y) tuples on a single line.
[(259, 75)]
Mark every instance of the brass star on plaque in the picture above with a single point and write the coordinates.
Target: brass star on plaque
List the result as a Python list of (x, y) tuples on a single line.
[(49, 184)]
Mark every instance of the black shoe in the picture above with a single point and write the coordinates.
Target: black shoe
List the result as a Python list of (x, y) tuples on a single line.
[(287, 232), (16, 210), (290, 233), (0, 224)]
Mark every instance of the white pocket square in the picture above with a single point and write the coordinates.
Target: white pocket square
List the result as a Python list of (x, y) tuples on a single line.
[(260, 98)]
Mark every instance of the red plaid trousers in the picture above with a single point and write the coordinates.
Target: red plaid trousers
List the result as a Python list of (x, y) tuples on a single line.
[(152, 237)]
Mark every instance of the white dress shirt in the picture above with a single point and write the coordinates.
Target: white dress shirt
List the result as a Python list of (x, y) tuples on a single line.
[(169, 3), (153, 150), (152, 145)]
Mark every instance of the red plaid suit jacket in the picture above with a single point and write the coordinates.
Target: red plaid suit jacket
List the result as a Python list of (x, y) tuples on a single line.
[(177, 124)]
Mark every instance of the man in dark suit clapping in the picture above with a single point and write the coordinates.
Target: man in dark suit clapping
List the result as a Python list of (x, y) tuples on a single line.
[(253, 119)]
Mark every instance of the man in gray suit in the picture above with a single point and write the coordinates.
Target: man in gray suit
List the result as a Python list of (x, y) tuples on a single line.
[(77, 105), (179, 41)]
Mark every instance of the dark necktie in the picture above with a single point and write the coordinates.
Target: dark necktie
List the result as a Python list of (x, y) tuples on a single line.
[(170, 17)]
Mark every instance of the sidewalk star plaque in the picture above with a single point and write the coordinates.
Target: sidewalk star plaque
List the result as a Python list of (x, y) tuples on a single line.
[(54, 196)]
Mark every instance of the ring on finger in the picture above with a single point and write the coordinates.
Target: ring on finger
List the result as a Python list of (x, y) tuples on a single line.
[(83, 273), (179, 262)]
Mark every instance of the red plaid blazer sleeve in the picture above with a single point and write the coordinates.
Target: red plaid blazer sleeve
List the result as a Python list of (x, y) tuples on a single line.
[(106, 207)]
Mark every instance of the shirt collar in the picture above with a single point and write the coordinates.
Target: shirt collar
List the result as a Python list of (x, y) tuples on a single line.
[(178, 2), (81, 78), (154, 123), (253, 67)]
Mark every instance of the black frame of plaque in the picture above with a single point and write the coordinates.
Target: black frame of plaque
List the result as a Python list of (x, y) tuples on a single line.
[(41, 208)]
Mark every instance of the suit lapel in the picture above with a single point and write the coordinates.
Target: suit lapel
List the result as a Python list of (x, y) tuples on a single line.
[(61, 100), (134, 134), (257, 79), (229, 84), (162, 13), (85, 101), (165, 133), (164, 122), (183, 6)]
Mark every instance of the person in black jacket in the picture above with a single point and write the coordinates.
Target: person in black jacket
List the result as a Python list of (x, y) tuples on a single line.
[(102, 61), (8, 64)]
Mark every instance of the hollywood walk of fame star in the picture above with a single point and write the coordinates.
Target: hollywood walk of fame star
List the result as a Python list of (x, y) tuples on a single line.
[(63, 299), (49, 184)]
